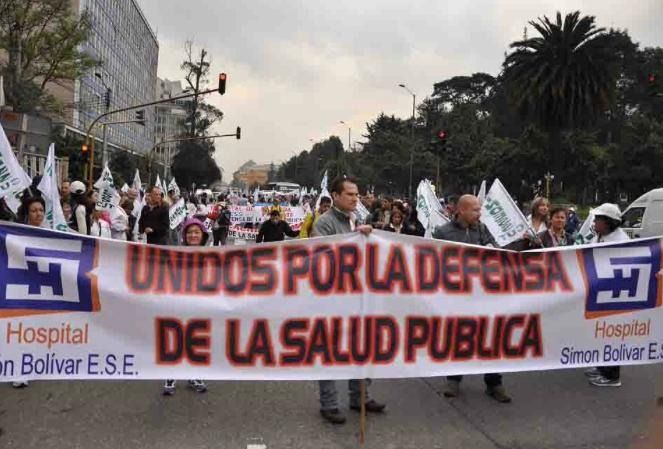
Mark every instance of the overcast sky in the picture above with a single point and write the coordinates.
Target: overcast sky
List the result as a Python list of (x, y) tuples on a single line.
[(296, 68)]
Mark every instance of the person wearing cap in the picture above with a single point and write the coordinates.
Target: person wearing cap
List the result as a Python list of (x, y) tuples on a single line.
[(275, 229), (572, 222), (80, 219), (607, 218), (193, 234)]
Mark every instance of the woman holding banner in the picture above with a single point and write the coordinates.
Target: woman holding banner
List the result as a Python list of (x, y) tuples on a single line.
[(193, 234), (35, 211), (552, 237), (540, 216)]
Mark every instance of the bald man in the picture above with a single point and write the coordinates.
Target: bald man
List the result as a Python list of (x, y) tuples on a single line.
[(465, 227)]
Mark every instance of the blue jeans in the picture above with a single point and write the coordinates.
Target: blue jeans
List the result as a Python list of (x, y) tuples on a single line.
[(329, 395)]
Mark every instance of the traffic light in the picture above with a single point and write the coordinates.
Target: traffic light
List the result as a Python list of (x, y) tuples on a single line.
[(238, 134), (140, 117), (222, 83), (652, 85), (442, 137), (85, 152)]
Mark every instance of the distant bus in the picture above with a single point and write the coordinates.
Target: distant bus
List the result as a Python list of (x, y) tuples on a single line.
[(281, 187)]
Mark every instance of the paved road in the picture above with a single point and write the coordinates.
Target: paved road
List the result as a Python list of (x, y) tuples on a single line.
[(554, 409)]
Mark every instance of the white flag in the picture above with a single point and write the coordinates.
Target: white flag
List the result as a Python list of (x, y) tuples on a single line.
[(106, 179), (362, 213), (164, 187), (502, 216), (137, 183), (586, 232), (324, 182), (177, 213), (13, 180), (482, 192), (125, 188), (158, 182), (48, 186), (174, 187), (429, 210)]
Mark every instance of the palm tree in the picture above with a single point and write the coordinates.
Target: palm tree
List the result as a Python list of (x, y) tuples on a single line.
[(563, 79)]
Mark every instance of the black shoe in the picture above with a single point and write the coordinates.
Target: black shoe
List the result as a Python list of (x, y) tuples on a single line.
[(334, 416), (372, 406), (499, 394)]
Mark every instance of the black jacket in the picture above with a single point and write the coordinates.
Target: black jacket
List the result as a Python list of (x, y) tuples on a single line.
[(270, 232), (454, 231), (159, 220)]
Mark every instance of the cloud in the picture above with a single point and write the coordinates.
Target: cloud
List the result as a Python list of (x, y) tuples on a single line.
[(296, 68)]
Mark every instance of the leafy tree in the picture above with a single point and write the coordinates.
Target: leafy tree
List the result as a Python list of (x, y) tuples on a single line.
[(194, 161), (123, 167), (42, 40), (194, 164), (563, 78)]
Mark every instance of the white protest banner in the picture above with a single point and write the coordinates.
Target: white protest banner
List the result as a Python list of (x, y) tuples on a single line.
[(48, 186), (13, 179), (502, 216), (482, 192), (177, 213), (586, 232), (429, 210), (117, 310), (106, 179), (107, 197), (174, 187)]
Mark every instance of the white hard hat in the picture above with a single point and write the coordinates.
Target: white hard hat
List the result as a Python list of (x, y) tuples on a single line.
[(608, 210), (77, 187)]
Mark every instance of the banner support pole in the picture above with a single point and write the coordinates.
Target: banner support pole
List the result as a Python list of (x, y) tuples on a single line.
[(362, 412)]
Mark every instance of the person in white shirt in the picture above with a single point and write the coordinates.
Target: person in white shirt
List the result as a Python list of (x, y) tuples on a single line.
[(119, 223), (607, 218)]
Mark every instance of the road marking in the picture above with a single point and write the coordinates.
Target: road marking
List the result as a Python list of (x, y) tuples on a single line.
[(256, 446)]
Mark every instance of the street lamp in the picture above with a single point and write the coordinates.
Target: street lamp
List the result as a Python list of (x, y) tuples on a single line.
[(349, 134), (414, 102), (549, 177)]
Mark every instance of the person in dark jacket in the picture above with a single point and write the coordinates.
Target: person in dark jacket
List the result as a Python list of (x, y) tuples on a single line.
[(395, 221), (275, 229), (572, 222), (154, 219), (465, 227)]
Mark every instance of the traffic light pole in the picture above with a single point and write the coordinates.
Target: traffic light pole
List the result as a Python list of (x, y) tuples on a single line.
[(90, 143), (185, 139)]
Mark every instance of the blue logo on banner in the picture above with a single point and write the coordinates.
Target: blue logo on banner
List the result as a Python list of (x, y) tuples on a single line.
[(622, 278), (45, 271)]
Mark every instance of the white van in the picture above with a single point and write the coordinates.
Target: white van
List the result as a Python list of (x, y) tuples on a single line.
[(644, 217)]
